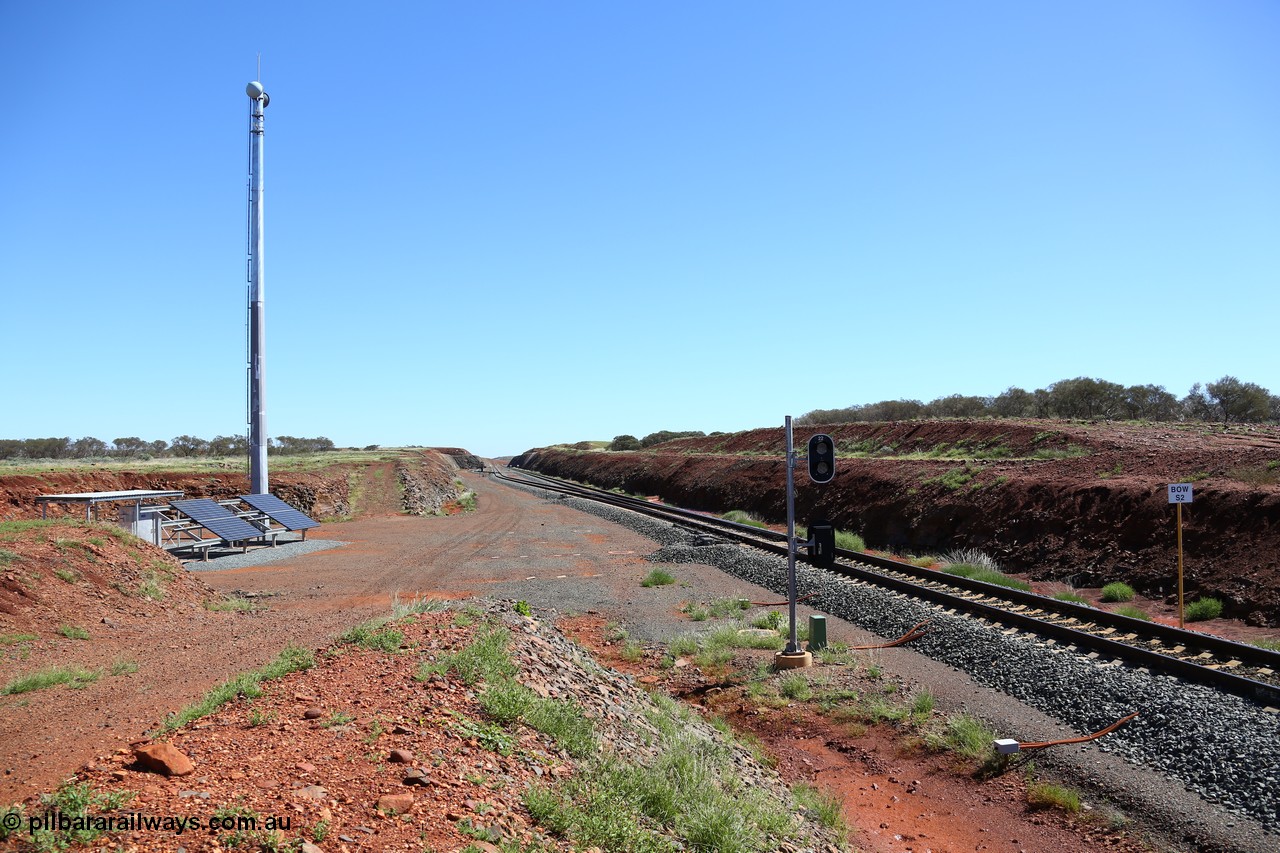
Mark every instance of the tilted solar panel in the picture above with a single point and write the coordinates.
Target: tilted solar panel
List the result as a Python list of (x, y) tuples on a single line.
[(221, 521), (280, 512)]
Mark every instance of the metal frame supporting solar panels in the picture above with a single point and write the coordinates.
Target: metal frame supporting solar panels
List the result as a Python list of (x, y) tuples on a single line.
[(218, 520), (281, 513), (92, 499)]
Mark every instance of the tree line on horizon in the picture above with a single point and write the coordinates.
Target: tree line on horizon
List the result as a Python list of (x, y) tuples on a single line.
[(132, 447), (1228, 400)]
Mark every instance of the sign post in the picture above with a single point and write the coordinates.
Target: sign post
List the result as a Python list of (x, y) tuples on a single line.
[(1179, 494)]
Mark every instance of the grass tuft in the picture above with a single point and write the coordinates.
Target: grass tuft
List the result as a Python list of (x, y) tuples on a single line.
[(73, 632), (771, 619), (75, 676), (506, 700), (412, 607), (826, 808), (968, 736), (233, 604), (484, 659), (374, 636), (978, 566), (1044, 795), (696, 612), (1133, 612), (985, 575), (971, 557), (291, 659), (850, 541), (738, 516), (658, 577), (795, 686), (14, 639), (1203, 610), (78, 803), (1117, 591)]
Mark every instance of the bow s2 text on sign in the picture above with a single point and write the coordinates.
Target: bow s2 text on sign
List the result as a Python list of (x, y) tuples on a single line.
[(1179, 493)]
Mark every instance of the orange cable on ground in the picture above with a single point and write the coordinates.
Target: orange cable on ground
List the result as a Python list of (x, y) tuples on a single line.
[(1111, 728), (914, 634)]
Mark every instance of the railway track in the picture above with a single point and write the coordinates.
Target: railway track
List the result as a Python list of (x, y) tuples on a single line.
[(1108, 638)]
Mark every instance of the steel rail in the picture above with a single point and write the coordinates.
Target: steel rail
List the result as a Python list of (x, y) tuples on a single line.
[(910, 579)]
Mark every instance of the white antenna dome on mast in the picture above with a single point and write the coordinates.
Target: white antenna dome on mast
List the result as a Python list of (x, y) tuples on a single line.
[(254, 90)]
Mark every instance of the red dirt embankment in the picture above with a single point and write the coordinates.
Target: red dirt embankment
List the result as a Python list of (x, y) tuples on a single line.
[(426, 480), (1084, 502), (324, 494)]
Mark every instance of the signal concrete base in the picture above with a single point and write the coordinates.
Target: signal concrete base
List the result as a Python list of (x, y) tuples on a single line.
[(798, 660)]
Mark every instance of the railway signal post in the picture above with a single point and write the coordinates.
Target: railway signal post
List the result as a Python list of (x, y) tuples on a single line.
[(822, 468)]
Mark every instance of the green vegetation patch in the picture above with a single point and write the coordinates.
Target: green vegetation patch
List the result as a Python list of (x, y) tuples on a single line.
[(658, 577), (826, 808), (491, 737), (966, 735), (954, 479), (986, 575), (1203, 610), (718, 609), (1117, 591), (246, 685), (484, 659), (413, 607), (233, 604), (14, 639), (1045, 795), (739, 516), (74, 802), (375, 636), (1133, 612), (691, 791), (74, 676)]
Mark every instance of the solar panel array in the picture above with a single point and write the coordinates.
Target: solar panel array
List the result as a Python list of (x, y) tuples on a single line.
[(280, 512), (221, 521)]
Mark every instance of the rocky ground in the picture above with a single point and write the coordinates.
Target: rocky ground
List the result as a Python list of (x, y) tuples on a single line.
[(319, 746), (1078, 504), (386, 745)]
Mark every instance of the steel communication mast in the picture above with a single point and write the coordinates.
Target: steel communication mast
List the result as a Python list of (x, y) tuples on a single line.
[(258, 439)]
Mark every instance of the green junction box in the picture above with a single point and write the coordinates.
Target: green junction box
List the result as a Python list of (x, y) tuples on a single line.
[(817, 633)]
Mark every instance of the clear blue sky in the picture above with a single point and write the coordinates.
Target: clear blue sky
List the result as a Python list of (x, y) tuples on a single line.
[(502, 225)]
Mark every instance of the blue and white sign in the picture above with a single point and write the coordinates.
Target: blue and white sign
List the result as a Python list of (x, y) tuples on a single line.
[(1179, 493)]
